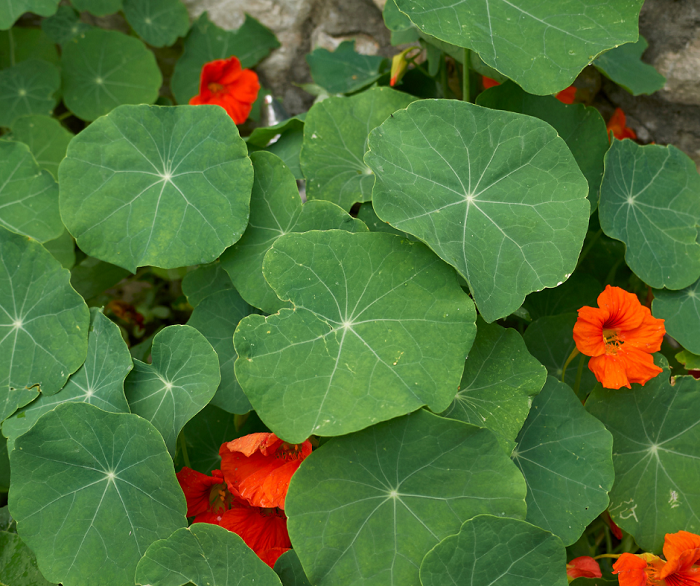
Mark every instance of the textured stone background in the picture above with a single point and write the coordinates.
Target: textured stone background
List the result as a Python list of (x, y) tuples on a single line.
[(672, 27)]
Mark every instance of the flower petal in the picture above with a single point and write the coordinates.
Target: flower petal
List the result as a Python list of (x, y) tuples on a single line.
[(630, 570), (610, 370), (197, 488), (588, 331), (639, 366), (624, 309), (648, 335), (583, 567), (681, 550)]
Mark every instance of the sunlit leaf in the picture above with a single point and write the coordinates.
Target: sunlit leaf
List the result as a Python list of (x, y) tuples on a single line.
[(681, 312), (28, 88), (46, 138), (625, 67), (11, 10), (158, 22), (344, 70)]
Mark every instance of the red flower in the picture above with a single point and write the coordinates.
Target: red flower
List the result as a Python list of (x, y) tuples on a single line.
[(618, 125), (621, 335), (259, 466), (488, 82), (225, 84), (583, 567), (566, 96), (206, 495)]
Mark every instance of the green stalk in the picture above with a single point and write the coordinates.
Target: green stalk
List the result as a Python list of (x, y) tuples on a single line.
[(573, 354), (579, 372)]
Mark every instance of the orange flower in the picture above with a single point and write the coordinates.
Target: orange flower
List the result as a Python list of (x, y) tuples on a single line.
[(566, 96), (259, 466), (618, 125), (682, 551), (207, 497), (621, 335), (488, 82), (583, 567), (225, 84)]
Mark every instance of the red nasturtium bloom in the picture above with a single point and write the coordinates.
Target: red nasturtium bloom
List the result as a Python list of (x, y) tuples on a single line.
[(620, 335), (225, 84), (206, 496), (583, 567), (618, 125), (682, 552), (566, 96)]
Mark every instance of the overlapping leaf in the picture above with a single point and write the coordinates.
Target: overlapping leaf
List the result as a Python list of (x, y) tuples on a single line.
[(20, 43), (18, 563), (4, 470), (578, 290), (379, 328), (64, 25), (283, 139), (344, 70), (157, 186), (288, 568), (28, 88), (541, 45), (91, 491), (650, 199), (368, 506), (46, 138), (681, 312), (275, 210), (11, 10), (180, 381), (98, 7), (91, 277), (204, 281), (657, 471), (158, 22), (497, 195), (335, 140), (625, 67), (104, 69)]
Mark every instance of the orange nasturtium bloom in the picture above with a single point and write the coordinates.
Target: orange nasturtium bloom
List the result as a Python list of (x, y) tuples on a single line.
[(566, 96), (207, 497), (620, 335), (583, 567), (223, 83), (682, 552), (618, 125)]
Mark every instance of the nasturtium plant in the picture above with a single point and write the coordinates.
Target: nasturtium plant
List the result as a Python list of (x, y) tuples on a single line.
[(11, 10), (19, 43), (158, 22), (357, 71), (29, 87), (625, 67), (680, 311), (46, 138), (98, 7), (64, 25)]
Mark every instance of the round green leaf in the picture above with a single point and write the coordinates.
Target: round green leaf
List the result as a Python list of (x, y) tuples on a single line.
[(43, 324), (344, 70), (380, 327), (161, 186), (650, 199), (275, 210), (394, 19), (64, 25), (98, 7), (565, 455), (91, 491), (203, 555), (99, 381), (578, 290), (20, 43), (541, 45), (104, 69), (18, 563), (367, 214), (204, 281), (335, 140), (499, 379), (28, 195), (288, 568), (181, 380), (657, 470), (498, 552), (374, 503), (11, 10), (497, 195), (681, 312), (46, 138), (158, 22), (28, 88), (216, 318), (625, 67)]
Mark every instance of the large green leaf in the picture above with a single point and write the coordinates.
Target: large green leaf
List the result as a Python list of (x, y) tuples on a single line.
[(62, 249), (657, 471), (203, 555), (20, 43), (216, 318), (497, 195), (582, 128), (498, 552), (366, 508), (625, 67), (650, 199), (64, 25), (179, 382), (11, 10), (28, 88), (99, 381), (335, 140), (18, 563), (46, 138), (275, 210), (91, 491), (499, 380), (98, 7), (379, 328), (204, 281), (104, 69), (394, 19), (206, 42), (565, 455), (288, 568), (578, 290), (43, 325), (158, 22), (150, 185), (541, 45), (343, 71), (681, 312), (28, 195)]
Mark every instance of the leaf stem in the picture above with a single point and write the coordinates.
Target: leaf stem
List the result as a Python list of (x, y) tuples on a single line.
[(590, 244), (573, 355), (466, 95), (183, 447), (65, 115), (607, 555), (579, 372)]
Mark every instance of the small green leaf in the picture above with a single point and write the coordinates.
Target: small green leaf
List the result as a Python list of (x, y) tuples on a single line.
[(335, 140), (367, 214), (91, 277), (650, 201), (204, 281), (28, 88), (206, 42), (578, 290), (625, 67), (380, 327), (64, 25), (344, 71), (565, 455), (394, 19), (98, 7), (261, 136), (158, 22), (288, 568), (497, 195), (657, 471), (20, 43), (202, 555), (498, 552), (153, 185), (375, 502), (46, 138), (288, 148), (689, 360), (11, 10), (275, 210), (104, 69), (18, 563), (99, 381), (681, 312), (91, 491), (28, 195)]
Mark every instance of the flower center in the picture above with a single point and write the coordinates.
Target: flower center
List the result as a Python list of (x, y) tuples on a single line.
[(219, 497), (612, 341), (289, 451), (215, 88)]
